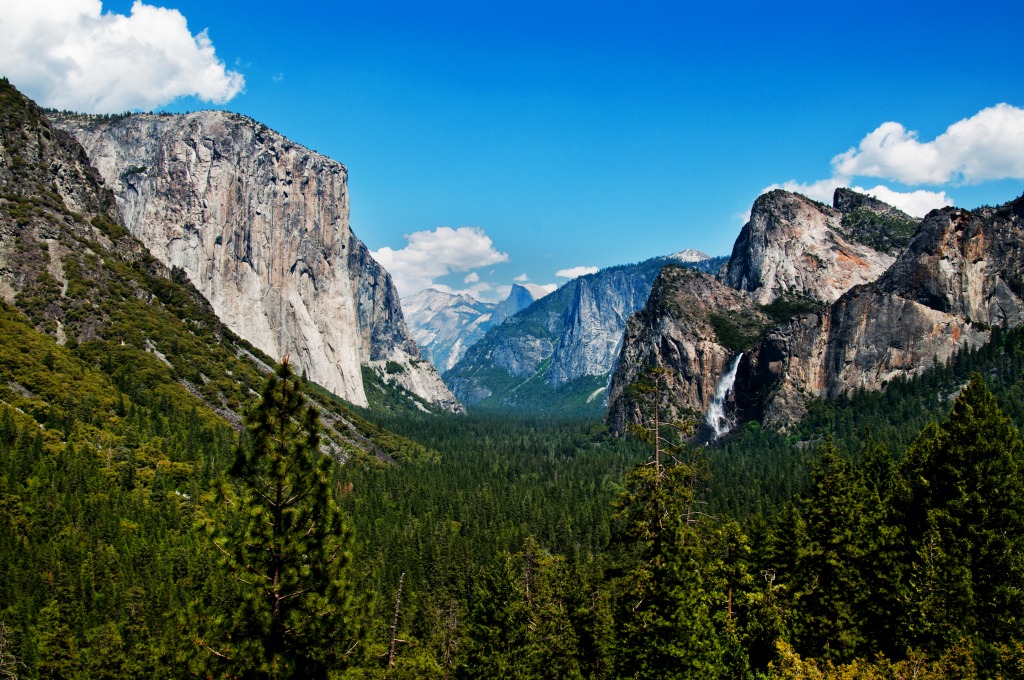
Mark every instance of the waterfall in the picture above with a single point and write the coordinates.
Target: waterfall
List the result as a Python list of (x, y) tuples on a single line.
[(716, 418)]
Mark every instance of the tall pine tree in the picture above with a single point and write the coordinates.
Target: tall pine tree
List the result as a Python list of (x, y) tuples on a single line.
[(961, 501), (284, 541)]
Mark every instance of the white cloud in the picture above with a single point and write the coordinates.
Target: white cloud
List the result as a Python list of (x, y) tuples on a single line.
[(430, 255), (522, 278), (472, 277), (916, 203), (539, 290), (988, 145), (575, 272), (69, 54)]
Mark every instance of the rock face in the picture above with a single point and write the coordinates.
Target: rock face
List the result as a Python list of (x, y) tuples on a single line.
[(446, 325), (260, 226), (564, 344), (519, 298), (679, 330), (960, 273), (793, 245)]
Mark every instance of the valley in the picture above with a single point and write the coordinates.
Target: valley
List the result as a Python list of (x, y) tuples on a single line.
[(801, 460)]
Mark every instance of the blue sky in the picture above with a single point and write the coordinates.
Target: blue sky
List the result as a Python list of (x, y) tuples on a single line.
[(579, 134)]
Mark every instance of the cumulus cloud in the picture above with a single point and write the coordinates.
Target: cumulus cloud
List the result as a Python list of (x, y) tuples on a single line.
[(575, 272), (472, 277), (539, 290), (429, 255), (916, 203), (521, 278), (69, 54), (988, 145)]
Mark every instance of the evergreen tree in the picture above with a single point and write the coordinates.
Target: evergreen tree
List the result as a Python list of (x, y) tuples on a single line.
[(962, 505), (284, 541), (839, 562), (673, 599)]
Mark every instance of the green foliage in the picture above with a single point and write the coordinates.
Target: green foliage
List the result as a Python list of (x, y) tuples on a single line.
[(881, 232), (737, 331), (284, 541), (961, 506), (787, 307)]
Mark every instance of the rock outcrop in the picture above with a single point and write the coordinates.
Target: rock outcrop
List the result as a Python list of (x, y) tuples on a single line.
[(683, 328), (959, 274), (260, 226), (795, 246)]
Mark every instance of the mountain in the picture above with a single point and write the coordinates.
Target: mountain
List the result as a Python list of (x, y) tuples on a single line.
[(260, 226), (820, 322), (519, 298), (96, 329), (960, 275), (446, 325), (795, 246), (557, 355)]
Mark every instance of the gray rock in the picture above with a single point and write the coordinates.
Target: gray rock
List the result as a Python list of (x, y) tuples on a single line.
[(260, 225)]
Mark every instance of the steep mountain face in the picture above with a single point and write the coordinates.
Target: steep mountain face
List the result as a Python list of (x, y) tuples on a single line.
[(260, 226), (687, 328), (446, 325), (519, 298), (960, 273), (101, 329), (795, 246), (559, 353)]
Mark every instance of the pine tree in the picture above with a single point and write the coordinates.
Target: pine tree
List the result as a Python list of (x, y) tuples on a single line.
[(284, 541), (961, 501)]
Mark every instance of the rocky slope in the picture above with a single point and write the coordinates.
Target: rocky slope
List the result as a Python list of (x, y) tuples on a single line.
[(446, 325), (260, 226), (688, 327), (960, 273), (559, 353), (795, 246)]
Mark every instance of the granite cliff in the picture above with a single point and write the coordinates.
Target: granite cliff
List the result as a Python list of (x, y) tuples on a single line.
[(795, 246), (828, 324), (260, 226), (960, 275)]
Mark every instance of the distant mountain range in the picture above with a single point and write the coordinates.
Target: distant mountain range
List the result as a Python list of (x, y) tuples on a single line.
[(557, 354), (445, 325)]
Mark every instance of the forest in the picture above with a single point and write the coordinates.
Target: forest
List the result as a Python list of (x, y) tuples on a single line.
[(881, 538)]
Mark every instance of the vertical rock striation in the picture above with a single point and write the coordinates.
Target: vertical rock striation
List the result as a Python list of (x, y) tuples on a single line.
[(260, 226)]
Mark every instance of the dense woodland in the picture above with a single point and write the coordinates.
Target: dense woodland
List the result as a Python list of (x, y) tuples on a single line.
[(879, 539)]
